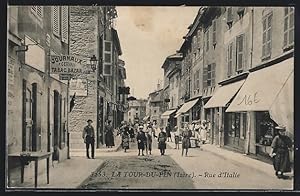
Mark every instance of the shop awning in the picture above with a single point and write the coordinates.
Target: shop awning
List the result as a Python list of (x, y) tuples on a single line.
[(167, 113), (282, 109), (262, 87), (224, 94), (186, 107)]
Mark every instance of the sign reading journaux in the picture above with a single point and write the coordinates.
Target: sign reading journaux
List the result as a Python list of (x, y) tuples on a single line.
[(66, 64)]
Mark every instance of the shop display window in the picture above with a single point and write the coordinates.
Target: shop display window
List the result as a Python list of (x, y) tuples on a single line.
[(265, 128)]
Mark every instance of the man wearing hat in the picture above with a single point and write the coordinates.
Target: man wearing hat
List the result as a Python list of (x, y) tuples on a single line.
[(89, 138), (280, 152), (141, 139)]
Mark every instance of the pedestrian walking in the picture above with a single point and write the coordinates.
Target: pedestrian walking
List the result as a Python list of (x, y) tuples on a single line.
[(176, 137), (148, 141), (185, 140), (89, 138), (109, 135), (203, 131), (168, 132), (197, 133), (162, 138), (124, 135), (141, 138), (280, 153), (131, 133)]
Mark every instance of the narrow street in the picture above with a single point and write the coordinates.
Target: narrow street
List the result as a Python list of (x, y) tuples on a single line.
[(200, 170)]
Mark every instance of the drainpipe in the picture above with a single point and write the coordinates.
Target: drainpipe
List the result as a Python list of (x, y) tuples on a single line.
[(251, 61)]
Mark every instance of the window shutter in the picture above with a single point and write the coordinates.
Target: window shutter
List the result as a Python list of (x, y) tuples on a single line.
[(33, 9), (56, 21), (291, 26), (207, 40), (65, 24), (240, 50), (205, 77), (230, 59), (107, 58), (213, 74), (214, 32), (39, 11)]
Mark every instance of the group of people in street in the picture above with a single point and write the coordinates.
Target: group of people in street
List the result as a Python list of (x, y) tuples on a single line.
[(145, 132)]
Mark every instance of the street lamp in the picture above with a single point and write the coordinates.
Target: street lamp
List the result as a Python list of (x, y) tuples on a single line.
[(93, 62)]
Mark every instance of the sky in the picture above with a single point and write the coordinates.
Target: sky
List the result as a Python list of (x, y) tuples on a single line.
[(147, 36)]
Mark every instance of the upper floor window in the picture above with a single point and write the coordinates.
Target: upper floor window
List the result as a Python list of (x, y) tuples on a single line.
[(240, 52), (60, 22), (241, 11), (267, 30), (288, 30), (38, 11), (209, 75)]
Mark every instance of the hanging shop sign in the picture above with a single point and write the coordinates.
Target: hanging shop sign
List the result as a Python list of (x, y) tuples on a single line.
[(66, 64)]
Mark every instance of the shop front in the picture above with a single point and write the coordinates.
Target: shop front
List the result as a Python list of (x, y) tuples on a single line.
[(168, 116), (226, 128), (268, 103), (183, 114)]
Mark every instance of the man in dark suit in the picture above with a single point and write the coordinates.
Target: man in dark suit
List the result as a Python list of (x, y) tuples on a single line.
[(89, 138)]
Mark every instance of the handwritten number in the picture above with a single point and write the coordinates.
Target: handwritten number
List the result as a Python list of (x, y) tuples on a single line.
[(249, 100)]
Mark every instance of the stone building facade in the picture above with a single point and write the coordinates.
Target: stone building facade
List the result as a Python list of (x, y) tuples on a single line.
[(37, 100), (91, 31)]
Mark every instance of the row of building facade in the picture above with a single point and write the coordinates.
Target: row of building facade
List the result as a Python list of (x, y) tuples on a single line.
[(39, 116), (234, 69)]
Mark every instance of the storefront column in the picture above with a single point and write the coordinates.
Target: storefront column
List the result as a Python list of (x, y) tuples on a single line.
[(250, 146)]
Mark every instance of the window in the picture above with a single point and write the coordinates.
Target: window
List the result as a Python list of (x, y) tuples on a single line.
[(65, 24), (207, 39), (137, 109), (209, 76), (288, 36), (214, 33), (229, 17), (233, 124), (172, 101), (230, 62), (154, 111), (266, 48), (241, 11), (196, 80), (240, 52), (129, 113), (107, 56), (38, 11)]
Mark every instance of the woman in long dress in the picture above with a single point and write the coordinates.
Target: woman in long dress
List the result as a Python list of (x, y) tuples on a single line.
[(125, 136), (203, 131), (280, 152), (109, 135), (185, 140)]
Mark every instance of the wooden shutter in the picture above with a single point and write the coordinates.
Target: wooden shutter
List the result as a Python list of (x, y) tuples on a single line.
[(107, 58), (214, 34), (205, 76), (207, 40), (229, 59), (56, 20), (40, 11), (240, 51), (291, 26), (213, 74), (65, 24), (269, 34), (285, 26), (36, 117)]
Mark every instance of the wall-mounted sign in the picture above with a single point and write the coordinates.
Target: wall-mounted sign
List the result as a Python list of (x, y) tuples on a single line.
[(66, 64), (65, 76), (78, 86)]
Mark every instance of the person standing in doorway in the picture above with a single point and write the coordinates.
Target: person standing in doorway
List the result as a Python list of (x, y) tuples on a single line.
[(89, 138), (109, 135), (280, 152), (162, 138)]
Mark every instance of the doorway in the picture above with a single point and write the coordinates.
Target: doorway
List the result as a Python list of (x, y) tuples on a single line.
[(57, 122)]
